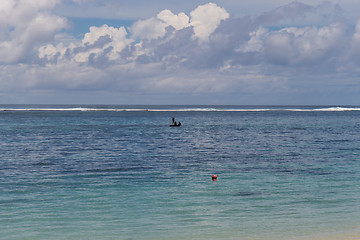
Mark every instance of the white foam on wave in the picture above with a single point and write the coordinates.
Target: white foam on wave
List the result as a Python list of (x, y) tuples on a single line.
[(184, 110), (338, 109), (330, 109), (190, 109), (80, 109)]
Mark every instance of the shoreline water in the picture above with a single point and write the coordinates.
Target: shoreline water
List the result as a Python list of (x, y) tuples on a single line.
[(73, 174)]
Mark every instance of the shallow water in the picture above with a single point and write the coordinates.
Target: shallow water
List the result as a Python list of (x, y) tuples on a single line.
[(120, 172)]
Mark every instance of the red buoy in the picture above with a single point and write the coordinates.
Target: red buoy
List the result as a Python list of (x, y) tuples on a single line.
[(214, 177)]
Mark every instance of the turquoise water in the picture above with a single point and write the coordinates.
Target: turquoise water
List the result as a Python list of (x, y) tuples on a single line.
[(120, 172)]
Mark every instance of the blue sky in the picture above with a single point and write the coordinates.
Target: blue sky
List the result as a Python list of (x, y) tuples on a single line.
[(179, 52)]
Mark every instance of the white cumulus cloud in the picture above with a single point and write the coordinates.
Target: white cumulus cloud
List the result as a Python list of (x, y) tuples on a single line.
[(304, 45), (156, 27), (206, 18), (178, 21), (117, 39), (99, 41), (24, 24)]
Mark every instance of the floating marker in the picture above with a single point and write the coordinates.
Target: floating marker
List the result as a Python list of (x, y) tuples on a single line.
[(214, 177)]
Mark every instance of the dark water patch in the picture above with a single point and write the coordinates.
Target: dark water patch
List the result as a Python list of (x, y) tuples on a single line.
[(109, 170), (12, 201), (246, 194), (286, 171), (297, 128), (293, 154), (339, 140), (67, 153), (255, 168), (318, 172), (43, 164), (8, 168), (350, 149), (70, 171)]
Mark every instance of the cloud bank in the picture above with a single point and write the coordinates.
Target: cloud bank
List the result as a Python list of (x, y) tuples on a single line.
[(293, 51), (25, 24)]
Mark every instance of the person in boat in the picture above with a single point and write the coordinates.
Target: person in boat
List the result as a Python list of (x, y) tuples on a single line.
[(174, 123)]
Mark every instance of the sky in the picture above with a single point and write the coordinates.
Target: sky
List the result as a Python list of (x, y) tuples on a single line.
[(227, 52)]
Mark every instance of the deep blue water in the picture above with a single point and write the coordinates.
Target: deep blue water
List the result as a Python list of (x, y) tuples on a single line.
[(120, 172)]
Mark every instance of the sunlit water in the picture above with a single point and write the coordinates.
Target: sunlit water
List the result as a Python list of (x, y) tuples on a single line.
[(98, 172)]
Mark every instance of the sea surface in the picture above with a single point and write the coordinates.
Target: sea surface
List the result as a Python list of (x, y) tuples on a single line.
[(120, 172)]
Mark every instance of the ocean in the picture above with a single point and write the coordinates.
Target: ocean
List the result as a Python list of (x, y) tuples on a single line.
[(120, 172)]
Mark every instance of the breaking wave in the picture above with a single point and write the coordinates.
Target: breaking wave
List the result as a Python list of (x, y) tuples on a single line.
[(182, 109), (80, 109)]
